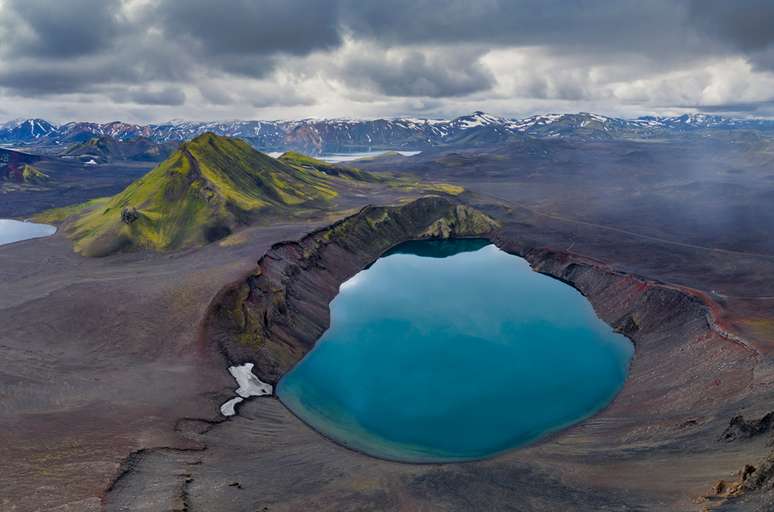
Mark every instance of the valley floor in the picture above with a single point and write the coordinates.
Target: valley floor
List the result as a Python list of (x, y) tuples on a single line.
[(103, 360)]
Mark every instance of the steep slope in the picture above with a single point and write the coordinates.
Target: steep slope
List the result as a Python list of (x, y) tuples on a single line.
[(106, 149), (201, 193)]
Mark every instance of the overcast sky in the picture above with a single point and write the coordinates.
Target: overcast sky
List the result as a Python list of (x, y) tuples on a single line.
[(154, 60)]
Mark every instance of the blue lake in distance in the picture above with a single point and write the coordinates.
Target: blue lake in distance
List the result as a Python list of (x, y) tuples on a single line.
[(16, 230), (454, 350)]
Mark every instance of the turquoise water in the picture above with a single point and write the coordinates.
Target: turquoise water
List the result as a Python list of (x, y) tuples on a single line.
[(16, 230), (454, 350)]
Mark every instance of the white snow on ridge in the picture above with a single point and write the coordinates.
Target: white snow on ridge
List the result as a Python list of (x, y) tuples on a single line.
[(478, 119)]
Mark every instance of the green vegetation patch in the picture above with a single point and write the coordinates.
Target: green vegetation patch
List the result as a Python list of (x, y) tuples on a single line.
[(200, 194), (60, 215), (301, 161), (31, 174)]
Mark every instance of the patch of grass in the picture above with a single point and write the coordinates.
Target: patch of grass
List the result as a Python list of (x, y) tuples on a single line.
[(446, 188), (425, 187), (31, 174), (234, 240), (301, 161), (59, 215)]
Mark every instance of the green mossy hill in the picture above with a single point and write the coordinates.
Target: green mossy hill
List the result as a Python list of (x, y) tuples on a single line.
[(301, 161), (203, 191), (387, 155), (101, 149), (33, 175), (107, 149)]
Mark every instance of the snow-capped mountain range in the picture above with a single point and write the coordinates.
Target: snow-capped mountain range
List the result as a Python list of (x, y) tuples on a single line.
[(328, 135)]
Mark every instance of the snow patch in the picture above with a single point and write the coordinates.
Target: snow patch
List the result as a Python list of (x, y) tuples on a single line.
[(249, 384), (229, 408)]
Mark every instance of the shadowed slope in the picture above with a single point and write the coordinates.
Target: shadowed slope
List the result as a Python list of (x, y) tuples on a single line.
[(107, 149)]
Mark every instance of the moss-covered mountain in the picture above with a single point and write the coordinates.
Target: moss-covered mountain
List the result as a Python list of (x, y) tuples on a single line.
[(106, 149), (201, 193)]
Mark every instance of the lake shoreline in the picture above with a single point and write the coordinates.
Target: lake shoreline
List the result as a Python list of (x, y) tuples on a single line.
[(485, 309), (14, 231)]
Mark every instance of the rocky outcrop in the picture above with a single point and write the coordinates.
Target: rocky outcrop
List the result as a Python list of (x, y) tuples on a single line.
[(762, 477), (752, 490), (739, 428), (129, 215), (276, 315)]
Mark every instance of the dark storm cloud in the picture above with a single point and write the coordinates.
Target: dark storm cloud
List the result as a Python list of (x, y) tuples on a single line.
[(41, 80), (571, 25), (61, 29), (279, 97), (169, 96), (440, 74), (29, 77), (747, 26), (247, 27), (729, 108), (167, 41), (248, 65)]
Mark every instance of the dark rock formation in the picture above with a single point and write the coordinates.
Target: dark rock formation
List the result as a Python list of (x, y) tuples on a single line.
[(129, 215), (739, 428), (752, 490), (760, 478)]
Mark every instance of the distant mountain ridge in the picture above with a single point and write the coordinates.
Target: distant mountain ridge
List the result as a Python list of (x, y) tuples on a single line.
[(316, 136)]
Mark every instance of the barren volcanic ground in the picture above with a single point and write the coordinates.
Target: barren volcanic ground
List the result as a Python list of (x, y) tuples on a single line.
[(113, 369), (71, 182)]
